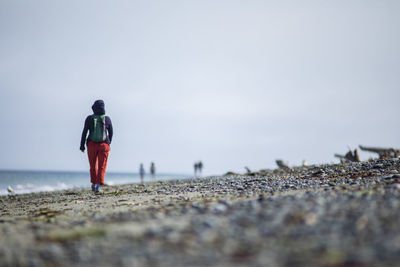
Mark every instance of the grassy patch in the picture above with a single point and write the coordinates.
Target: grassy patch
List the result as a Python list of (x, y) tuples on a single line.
[(46, 213), (74, 235)]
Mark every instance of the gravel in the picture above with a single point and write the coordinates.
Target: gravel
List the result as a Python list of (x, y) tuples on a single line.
[(326, 215)]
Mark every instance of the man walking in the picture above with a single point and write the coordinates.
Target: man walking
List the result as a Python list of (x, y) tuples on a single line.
[(98, 143)]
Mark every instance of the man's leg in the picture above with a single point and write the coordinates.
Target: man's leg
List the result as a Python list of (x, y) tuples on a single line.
[(92, 155), (103, 151)]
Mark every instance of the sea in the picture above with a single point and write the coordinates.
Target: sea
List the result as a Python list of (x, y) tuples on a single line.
[(22, 182)]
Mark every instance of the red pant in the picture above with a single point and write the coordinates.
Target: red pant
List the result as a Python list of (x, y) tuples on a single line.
[(98, 155)]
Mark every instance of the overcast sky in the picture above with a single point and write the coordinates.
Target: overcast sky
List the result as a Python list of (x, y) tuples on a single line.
[(231, 83)]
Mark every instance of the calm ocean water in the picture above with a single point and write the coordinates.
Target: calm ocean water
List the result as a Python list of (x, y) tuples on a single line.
[(36, 181)]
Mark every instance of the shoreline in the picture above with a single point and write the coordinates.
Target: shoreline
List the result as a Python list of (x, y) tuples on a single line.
[(333, 214), (48, 181)]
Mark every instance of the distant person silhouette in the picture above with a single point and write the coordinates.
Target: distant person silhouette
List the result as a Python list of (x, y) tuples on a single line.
[(196, 167), (141, 172), (98, 143), (200, 166), (153, 170)]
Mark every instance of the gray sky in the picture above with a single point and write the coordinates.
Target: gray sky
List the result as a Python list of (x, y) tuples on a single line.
[(231, 83)]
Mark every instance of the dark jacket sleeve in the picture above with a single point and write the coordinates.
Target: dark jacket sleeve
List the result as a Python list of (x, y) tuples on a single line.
[(84, 133), (109, 128)]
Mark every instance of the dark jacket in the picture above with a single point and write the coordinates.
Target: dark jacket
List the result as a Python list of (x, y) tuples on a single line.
[(98, 109)]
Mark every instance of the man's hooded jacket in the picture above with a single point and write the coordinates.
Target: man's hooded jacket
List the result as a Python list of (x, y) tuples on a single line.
[(98, 109)]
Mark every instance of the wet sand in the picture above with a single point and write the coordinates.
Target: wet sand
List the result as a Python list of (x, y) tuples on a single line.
[(327, 215)]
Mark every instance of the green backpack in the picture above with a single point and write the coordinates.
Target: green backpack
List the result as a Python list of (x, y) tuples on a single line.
[(99, 129)]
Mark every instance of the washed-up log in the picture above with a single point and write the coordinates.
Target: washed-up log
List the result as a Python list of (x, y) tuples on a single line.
[(384, 153), (282, 164), (350, 156)]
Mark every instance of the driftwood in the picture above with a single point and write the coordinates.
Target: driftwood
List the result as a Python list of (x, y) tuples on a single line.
[(384, 153), (282, 164), (247, 170), (350, 156)]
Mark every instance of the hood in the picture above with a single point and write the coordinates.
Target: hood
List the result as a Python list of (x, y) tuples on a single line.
[(98, 107)]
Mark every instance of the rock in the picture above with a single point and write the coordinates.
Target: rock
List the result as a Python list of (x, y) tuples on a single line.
[(52, 252), (219, 208), (311, 219), (377, 166)]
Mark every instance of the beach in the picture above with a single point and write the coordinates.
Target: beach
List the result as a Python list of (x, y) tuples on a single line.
[(322, 215)]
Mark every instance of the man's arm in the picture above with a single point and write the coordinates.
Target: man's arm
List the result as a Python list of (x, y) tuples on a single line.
[(110, 129), (84, 134)]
